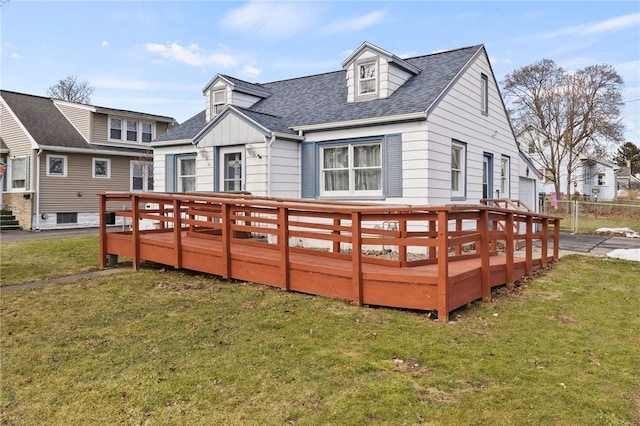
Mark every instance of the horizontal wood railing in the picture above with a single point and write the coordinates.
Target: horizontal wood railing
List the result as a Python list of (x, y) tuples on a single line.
[(394, 236)]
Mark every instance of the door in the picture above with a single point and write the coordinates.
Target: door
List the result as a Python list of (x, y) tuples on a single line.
[(231, 169), (487, 176)]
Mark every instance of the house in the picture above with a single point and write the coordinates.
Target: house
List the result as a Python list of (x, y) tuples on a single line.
[(627, 181), (427, 130), (591, 178), (59, 155)]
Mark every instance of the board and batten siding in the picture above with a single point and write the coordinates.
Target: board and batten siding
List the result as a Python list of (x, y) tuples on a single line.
[(80, 118), (458, 116), (59, 194)]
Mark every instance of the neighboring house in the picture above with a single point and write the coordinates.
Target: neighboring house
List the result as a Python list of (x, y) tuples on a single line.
[(428, 130), (591, 178), (627, 181), (60, 154)]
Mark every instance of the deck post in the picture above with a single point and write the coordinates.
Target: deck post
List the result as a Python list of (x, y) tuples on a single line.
[(135, 231), (485, 249), (556, 238), (443, 265), (528, 263), (458, 230), (545, 242), (283, 242), (509, 248), (432, 249), (402, 248), (356, 255), (226, 241), (103, 230), (336, 243), (177, 232)]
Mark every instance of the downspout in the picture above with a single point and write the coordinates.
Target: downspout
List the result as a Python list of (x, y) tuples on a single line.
[(37, 179), (271, 141)]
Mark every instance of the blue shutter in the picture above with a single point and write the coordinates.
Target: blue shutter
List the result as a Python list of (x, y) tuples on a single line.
[(170, 173), (308, 174), (393, 181), (216, 169)]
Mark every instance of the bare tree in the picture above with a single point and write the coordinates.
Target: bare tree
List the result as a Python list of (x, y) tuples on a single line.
[(71, 89), (565, 116)]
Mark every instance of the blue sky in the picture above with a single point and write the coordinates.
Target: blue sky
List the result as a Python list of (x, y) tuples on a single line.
[(157, 56)]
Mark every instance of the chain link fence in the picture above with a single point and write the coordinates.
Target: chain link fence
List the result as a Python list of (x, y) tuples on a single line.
[(589, 216)]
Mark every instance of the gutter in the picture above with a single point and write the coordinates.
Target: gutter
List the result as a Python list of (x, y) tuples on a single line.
[(99, 151), (37, 176), (373, 121), (271, 141)]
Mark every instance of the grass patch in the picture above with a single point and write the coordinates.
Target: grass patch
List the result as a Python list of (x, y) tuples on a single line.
[(27, 261), (154, 347)]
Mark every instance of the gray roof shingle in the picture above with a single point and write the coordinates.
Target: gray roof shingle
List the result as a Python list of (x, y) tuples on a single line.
[(322, 98)]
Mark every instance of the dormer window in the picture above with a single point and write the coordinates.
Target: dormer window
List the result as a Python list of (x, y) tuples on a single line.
[(125, 130), (367, 78), (219, 101)]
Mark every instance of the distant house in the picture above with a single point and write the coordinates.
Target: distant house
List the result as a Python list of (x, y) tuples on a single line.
[(627, 181), (60, 154), (592, 179), (428, 130)]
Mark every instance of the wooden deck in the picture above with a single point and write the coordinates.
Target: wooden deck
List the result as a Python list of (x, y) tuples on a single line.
[(367, 254)]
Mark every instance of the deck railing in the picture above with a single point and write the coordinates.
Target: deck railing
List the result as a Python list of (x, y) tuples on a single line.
[(393, 236)]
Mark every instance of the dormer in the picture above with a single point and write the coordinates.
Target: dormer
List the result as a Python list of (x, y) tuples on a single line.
[(223, 90), (374, 73)]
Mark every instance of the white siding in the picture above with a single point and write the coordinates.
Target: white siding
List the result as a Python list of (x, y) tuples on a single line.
[(285, 169), (458, 116), (159, 166)]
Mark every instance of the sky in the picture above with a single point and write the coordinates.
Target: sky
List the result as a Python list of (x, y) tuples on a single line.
[(156, 57)]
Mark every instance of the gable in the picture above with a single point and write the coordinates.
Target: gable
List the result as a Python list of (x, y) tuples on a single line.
[(231, 128)]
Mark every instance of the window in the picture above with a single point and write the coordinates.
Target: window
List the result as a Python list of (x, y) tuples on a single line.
[(458, 174), (147, 132), (19, 175), (142, 176), (504, 177), (232, 171), (548, 175), (351, 169), (601, 179), (133, 131), (115, 129), (484, 94), (66, 218), (367, 78), (532, 147), (186, 174), (101, 168), (218, 101), (57, 165)]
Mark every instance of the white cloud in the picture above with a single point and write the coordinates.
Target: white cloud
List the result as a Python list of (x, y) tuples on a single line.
[(355, 24), (272, 20), (615, 24), (249, 72), (191, 55), (104, 43), (16, 56)]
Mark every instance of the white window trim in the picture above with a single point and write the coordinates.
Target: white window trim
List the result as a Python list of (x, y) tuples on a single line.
[(350, 167), (180, 176), (9, 174), (146, 176), (214, 104), (461, 192), (601, 179), (505, 177), (93, 168), (484, 94), (375, 78), (123, 130), (65, 165)]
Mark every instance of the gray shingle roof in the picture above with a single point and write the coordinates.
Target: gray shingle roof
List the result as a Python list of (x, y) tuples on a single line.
[(44, 122), (187, 130), (322, 98)]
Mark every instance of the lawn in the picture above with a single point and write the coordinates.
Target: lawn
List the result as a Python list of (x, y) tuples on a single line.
[(159, 347)]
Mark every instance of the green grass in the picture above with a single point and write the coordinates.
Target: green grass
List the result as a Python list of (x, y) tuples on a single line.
[(36, 260), (161, 348)]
